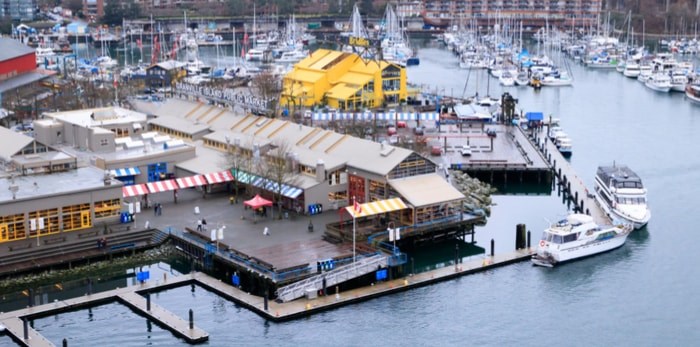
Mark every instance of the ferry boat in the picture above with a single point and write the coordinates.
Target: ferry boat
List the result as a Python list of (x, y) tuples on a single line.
[(576, 237), (622, 195)]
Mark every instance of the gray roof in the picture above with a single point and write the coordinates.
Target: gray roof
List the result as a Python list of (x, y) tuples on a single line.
[(618, 173), (21, 80), (58, 183), (425, 190), (179, 124), (12, 142), (13, 49)]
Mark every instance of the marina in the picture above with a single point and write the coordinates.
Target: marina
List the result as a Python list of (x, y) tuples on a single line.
[(355, 186)]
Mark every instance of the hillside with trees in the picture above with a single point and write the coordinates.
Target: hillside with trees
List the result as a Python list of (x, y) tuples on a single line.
[(664, 17)]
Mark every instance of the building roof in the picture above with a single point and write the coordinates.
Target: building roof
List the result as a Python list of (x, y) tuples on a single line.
[(22, 79), (304, 75), (356, 78), (12, 142), (13, 49), (38, 186), (425, 190), (95, 117), (179, 124), (342, 91), (207, 160), (168, 65)]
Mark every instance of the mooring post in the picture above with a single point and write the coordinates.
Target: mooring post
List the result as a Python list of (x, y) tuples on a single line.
[(492, 246), (25, 324), (30, 299), (265, 300), (456, 255), (148, 302), (191, 319), (89, 286), (192, 285), (528, 239), (65, 343)]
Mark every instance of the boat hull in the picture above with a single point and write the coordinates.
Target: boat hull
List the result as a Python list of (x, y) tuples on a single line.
[(694, 97), (617, 216), (579, 254)]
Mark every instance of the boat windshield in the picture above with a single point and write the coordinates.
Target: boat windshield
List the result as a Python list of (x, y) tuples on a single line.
[(629, 184), (627, 200)]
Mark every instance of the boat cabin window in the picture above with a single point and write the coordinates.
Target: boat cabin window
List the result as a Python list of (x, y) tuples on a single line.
[(547, 236), (628, 184), (556, 239), (631, 200), (570, 238)]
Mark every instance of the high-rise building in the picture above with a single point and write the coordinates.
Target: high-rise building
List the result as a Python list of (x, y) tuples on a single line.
[(18, 10), (94, 9), (532, 13)]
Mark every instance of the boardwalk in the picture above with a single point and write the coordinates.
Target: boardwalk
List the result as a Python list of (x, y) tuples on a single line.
[(584, 201)]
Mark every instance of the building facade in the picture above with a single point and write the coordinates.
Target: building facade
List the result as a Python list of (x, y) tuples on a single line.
[(15, 59), (532, 13), (19, 10), (94, 9)]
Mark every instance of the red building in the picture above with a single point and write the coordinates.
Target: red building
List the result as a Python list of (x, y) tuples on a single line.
[(15, 58)]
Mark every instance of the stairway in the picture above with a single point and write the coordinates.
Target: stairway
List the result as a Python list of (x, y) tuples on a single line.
[(338, 275)]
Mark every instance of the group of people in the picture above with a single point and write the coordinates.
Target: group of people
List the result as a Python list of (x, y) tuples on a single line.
[(201, 224), (101, 243), (157, 209)]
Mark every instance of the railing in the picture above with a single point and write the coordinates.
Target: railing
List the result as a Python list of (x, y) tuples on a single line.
[(339, 275)]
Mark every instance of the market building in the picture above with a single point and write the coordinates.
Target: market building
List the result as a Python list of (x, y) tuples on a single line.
[(344, 81)]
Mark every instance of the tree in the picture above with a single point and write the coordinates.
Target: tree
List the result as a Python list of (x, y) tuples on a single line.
[(366, 7), (73, 5), (278, 171), (237, 160), (116, 11), (268, 87), (237, 7)]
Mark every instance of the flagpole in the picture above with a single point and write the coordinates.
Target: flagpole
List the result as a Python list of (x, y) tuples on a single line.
[(353, 229)]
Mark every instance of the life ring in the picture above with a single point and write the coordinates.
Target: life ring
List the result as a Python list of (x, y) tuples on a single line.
[(542, 243)]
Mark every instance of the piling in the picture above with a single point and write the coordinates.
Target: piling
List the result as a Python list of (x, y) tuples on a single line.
[(148, 302), (30, 299), (89, 289), (265, 300), (528, 239), (65, 343), (191, 319), (493, 243), (520, 236), (192, 287), (25, 325)]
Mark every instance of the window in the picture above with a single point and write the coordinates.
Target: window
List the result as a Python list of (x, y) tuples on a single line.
[(76, 217), (12, 227), (107, 208), (46, 218), (104, 142), (338, 196)]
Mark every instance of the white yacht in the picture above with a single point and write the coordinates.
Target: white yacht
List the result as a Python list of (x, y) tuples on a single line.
[(575, 237), (678, 81), (292, 56), (255, 54), (560, 79), (659, 82), (622, 195), (522, 78), (565, 146), (645, 71), (632, 70), (506, 79), (692, 92), (43, 54)]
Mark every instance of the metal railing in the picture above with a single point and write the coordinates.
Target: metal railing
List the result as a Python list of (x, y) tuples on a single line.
[(338, 275)]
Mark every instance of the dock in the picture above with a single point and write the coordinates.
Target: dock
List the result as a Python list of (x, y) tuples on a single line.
[(584, 201), (132, 296)]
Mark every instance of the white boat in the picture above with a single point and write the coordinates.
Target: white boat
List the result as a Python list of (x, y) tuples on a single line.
[(622, 195), (255, 54), (576, 237), (522, 79), (561, 79), (645, 71), (632, 70), (43, 54), (506, 79), (659, 82), (565, 146), (678, 81), (692, 92)]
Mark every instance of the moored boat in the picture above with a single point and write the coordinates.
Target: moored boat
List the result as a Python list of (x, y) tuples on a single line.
[(576, 237), (692, 91), (659, 82), (621, 194)]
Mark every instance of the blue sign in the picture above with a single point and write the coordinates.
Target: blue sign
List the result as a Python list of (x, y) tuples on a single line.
[(143, 276), (381, 275), (236, 280)]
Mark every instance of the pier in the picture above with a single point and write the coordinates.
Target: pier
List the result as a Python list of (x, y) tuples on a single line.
[(133, 296), (583, 200)]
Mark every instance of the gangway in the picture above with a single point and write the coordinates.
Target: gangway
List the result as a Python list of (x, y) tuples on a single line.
[(338, 275)]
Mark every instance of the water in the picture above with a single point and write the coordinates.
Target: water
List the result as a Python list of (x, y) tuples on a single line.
[(643, 294)]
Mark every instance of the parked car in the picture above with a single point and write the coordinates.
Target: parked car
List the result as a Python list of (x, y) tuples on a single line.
[(391, 131), (420, 131), (465, 150), (436, 150)]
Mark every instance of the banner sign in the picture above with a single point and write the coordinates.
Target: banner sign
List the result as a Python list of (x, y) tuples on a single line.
[(226, 95)]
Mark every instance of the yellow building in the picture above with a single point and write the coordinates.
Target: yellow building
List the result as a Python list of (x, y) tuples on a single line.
[(343, 81)]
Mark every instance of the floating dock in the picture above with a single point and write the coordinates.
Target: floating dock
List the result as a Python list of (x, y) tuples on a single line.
[(17, 321)]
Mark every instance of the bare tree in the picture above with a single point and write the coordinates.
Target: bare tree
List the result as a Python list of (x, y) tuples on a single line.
[(238, 160), (268, 87), (279, 171)]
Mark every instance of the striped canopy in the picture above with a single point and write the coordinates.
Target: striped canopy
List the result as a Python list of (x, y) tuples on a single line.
[(188, 182), (161, 186), (134, 190), (376, 207), (128, 171), (401, 116), (219, 177)]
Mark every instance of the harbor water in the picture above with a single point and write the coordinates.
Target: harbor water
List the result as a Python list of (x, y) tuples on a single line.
[(643, 294)]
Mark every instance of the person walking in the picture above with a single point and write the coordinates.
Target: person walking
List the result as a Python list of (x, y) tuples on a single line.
[(199, 225), (266, 232)]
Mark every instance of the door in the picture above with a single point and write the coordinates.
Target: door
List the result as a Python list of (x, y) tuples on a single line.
[(85, 221), (3, 232), (356, 189)]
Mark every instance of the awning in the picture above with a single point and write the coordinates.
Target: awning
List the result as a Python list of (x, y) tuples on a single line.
[(376, 207), (257, 181), (188, 182), (134, 190), (161, 186), (128, 171), (219, 177)]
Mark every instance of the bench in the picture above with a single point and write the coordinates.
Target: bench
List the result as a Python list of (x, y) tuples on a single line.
[(122, 246), (88, 234), (54, 240), (27, 245)]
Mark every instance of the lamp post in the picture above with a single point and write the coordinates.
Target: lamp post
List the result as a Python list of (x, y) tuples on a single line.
[(392, 236)]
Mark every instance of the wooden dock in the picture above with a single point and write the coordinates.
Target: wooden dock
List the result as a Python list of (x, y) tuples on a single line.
[(583, 200), (274, 311)]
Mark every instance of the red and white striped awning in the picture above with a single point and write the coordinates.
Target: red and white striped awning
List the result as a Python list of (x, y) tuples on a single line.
[(187, 182), (161, 186), (219, 177), (134, 190)]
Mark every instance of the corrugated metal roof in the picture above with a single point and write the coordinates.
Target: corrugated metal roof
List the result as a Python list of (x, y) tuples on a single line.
[(12, 142), (425, 190), (356, 78), (321, 63), (13, 49), (304, 75), (312, 58), (21, 80)]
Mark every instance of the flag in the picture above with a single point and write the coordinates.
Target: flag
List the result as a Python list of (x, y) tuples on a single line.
[(357, 207), (139, 43)]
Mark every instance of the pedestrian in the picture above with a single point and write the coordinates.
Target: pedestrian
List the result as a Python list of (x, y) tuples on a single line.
[(160, 209), (266, 232), (155, 209), (148, 224), (204, 224), (199, 225)]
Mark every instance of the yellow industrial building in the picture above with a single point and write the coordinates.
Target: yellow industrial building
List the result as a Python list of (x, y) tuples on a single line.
[(344, 81)]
